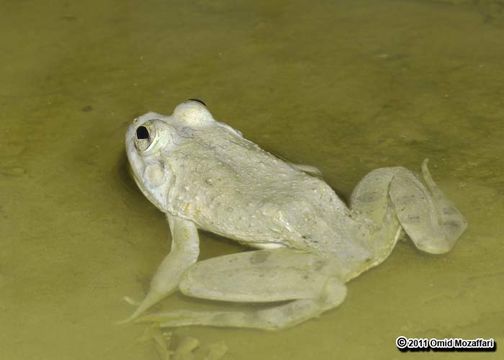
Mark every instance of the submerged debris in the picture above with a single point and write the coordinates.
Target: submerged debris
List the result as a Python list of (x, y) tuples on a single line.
[(183, 348)]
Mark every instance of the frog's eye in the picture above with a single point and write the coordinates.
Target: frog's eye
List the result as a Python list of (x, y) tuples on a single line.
[(194, 113), (198, 100), (142, 133), (143, 138)]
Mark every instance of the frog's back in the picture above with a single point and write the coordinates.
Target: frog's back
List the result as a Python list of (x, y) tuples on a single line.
[(229, 186)]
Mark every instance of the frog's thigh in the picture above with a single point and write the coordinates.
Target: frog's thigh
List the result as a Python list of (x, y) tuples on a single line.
[(310, 282), (428, 217), (258, 276)]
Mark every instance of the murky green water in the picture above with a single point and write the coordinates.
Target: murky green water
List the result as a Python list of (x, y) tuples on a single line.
[(347, 87)]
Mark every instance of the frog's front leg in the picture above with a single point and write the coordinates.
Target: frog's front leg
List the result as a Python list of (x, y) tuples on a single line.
[(311, 282), (184, 253)]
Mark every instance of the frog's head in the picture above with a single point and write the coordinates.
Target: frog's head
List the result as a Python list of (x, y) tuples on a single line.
[(150, 140)]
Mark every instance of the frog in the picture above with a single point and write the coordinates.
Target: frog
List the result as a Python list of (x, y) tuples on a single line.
[(304, 243)]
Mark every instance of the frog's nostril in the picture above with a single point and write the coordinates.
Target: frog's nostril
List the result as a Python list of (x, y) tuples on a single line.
[(198, 100), (142, 133)]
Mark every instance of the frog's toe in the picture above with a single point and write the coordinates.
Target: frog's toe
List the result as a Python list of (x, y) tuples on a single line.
[(451, 219), (152, 298), (308, 169)]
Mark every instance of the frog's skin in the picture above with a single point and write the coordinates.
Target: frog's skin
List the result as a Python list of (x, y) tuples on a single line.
[(204, 175)]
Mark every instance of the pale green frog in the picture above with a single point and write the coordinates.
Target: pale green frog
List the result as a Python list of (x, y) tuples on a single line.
[(203, 174)]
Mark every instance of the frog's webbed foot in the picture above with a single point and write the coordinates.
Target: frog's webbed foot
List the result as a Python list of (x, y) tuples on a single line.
[(394, 198), (183, 254), (428, 217), (310, 282)]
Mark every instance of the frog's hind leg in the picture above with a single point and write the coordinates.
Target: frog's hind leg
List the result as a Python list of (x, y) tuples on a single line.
[(425, 213), (184, 253), (372, 208), (311, 283), (391, 199)]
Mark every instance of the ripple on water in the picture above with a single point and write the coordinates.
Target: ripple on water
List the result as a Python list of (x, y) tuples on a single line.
[(12, 171)]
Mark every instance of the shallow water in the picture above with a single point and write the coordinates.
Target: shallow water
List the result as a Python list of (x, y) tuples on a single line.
[(347, 87)]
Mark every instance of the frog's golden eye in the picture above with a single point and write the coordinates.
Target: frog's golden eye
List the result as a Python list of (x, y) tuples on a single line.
[(143, 138)]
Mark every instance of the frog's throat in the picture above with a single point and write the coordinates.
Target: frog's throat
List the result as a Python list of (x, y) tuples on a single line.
[(149, 197)]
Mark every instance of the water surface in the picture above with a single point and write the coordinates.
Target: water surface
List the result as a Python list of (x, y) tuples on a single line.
[(346, 86)]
